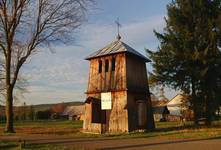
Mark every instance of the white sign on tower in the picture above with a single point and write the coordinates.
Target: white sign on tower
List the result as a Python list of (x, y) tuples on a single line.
[(106, 101)]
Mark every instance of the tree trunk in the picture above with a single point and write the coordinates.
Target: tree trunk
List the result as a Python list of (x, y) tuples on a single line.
[(194, 101), (196, 118), (9, 111), (209, 99), (209, 110), (150, 119), (9, 90)]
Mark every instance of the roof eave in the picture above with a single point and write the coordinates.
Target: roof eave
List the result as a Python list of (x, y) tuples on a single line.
[(95, 57)]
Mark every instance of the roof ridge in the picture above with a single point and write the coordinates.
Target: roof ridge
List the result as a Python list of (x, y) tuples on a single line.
[(115, 47), (133, 50)]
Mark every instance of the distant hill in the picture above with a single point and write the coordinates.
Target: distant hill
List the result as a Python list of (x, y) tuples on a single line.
[(41, 107)]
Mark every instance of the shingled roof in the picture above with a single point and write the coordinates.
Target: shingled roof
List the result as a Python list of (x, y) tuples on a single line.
[(114, 48)]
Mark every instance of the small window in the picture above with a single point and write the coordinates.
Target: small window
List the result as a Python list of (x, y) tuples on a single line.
[(113, 64), (100, 66), (106, 65)]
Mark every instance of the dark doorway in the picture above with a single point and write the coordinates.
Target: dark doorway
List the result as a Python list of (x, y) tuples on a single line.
[(105, 125), (97, 115), (141, 114)]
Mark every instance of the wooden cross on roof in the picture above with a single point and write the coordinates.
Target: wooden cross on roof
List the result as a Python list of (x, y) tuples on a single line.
[(118, 28)]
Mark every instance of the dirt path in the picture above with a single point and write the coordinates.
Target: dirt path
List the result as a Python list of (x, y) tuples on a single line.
[(127, 144), (149, 144)]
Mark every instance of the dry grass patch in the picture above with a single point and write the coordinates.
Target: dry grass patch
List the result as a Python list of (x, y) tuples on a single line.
[(46, 127)]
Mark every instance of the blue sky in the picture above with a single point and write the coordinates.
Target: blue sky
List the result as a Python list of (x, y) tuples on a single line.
[(62, 76)]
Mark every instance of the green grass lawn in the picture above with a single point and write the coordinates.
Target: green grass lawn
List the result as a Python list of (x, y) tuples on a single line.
[(54, 127), (73, 128), (166, 130), (16, 146), (48, 123), (7, 145)]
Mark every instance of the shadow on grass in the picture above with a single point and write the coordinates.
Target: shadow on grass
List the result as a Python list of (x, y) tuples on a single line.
[(163, 129), (137, 146), (113, 147), (186, 127), (126, 145)]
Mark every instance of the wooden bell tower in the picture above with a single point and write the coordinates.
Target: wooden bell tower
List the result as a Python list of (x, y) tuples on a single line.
[(118, 98)]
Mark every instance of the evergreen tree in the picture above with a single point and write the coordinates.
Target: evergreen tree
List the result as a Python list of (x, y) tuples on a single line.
[(189, 57)]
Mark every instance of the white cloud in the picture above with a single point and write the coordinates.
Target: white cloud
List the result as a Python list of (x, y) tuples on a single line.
[(137, 34), (63, 75), (41, 95)]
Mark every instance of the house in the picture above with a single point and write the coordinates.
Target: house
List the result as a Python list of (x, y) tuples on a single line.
[(178, 107), (118, 94), (57, 110), (176, 103), (74, 112), (162, 102), (160, 111)]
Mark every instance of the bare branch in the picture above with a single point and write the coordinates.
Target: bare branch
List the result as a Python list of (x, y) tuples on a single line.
[(29, 25)]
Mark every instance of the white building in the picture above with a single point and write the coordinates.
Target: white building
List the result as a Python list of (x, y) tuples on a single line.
[(175, 105)]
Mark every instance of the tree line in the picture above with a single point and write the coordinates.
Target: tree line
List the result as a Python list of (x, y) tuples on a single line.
[(189, 57), (31, 113), (30, 26)]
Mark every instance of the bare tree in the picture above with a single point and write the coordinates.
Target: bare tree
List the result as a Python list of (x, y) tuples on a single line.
[(2, 85), (27, 26)]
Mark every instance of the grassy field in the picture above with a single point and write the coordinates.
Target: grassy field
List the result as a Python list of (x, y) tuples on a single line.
[(46, 127), (16, 146), (73, 128), (166, 130), (55, 128)]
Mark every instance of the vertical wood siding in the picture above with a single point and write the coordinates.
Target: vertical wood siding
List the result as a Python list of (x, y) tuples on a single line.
[(107, 81), (128, 83)]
